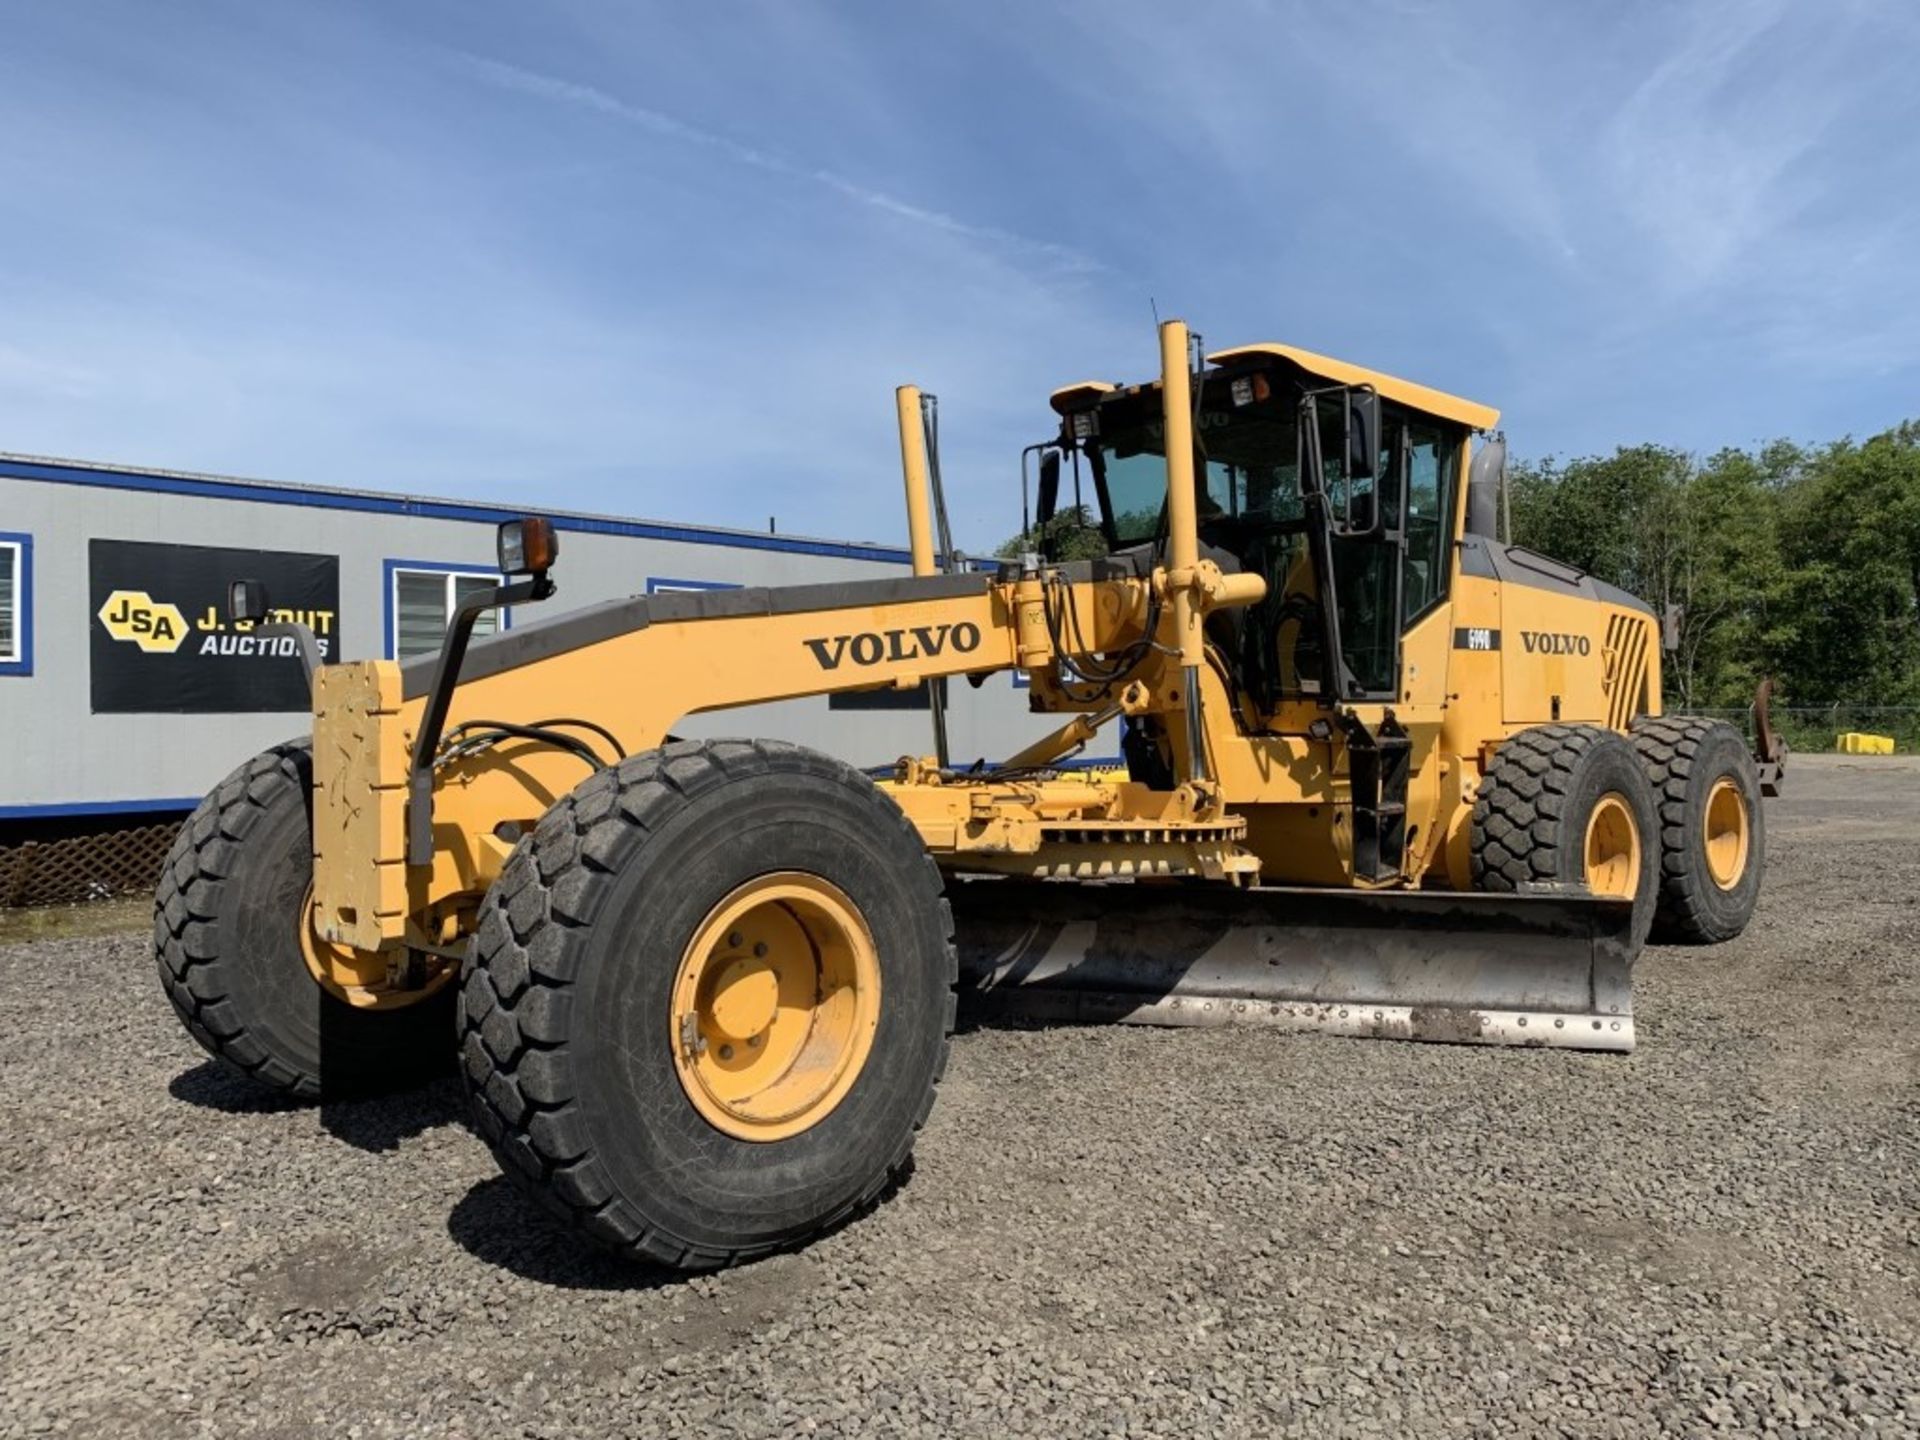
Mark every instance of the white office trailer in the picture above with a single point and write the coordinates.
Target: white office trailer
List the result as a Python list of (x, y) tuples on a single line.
[(124, 689)]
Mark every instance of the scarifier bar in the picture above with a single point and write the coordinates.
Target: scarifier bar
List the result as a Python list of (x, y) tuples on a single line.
[(1544, 969)]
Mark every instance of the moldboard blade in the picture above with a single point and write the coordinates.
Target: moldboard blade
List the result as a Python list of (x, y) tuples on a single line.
[(1547, 969)]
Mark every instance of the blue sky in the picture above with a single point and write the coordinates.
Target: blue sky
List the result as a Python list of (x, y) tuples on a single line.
[(670, 260)]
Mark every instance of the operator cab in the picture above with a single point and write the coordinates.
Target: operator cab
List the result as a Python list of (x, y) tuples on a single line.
[(1375, 507)]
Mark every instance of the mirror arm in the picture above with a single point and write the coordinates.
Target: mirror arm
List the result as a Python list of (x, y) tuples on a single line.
[(1026, 512), (446, 676), (306, 644)]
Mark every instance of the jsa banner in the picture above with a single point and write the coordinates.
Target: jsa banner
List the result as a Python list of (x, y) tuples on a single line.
[(161, 640)]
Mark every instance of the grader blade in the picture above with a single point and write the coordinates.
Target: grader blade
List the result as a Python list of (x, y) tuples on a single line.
[(1546, 969)]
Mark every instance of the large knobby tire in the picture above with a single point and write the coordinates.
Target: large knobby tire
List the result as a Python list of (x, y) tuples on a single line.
[(577, 1034), (226, 936), (1713, 840), (1540, 803)]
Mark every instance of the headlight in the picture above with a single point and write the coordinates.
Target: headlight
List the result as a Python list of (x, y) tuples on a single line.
[(528, 546), (247, 601)]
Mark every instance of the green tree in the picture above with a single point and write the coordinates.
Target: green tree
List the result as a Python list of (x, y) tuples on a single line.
[(1799, 563), (1070, 534), (1851, 539)]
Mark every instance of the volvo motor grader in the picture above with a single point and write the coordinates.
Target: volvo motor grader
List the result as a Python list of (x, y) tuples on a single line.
[(1384, 775)]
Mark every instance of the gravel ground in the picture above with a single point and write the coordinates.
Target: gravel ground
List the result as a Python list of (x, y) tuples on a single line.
[(1117, 1231)]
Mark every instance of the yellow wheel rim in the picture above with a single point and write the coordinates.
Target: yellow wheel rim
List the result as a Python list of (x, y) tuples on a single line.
[(775, 1005), (1726, 833), (365, 978), (1613, 848)]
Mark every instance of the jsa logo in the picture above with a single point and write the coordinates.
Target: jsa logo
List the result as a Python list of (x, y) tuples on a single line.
[(156, 626), (1555, 642), (870, 647)]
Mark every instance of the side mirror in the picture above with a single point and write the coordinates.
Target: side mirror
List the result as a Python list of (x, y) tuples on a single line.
[(1671, 621), (1049, 487), (1362, 520), (1363, 434), (247, 602)]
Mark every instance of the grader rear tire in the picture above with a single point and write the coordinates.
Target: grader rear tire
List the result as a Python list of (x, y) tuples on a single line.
[(1713, 839), (226, 936), (1569, 803), (709, 1001)]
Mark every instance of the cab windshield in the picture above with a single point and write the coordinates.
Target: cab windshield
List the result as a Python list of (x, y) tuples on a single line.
[(1252, 518), (1246, 465)]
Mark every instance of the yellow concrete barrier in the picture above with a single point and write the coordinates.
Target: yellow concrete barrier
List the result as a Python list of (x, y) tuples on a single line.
[(1856, 743)]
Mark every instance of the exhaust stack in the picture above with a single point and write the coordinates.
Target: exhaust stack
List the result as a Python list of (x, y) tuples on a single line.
[(1487, 488)]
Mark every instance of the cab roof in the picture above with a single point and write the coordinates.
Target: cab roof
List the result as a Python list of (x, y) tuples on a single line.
[(1419, 397)]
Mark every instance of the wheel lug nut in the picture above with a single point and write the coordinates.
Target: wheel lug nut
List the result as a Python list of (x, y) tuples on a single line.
[(734, 938), (753, 1042), (726, 1052), (760, 950)]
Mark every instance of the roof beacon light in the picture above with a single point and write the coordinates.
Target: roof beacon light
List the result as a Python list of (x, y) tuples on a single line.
[(528, 546)]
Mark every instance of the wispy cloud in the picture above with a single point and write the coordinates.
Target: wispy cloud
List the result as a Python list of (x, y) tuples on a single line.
[(1701, 153), (340, 243), (586, 97)]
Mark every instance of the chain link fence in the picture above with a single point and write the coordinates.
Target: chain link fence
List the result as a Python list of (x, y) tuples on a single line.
[(1816, 727)]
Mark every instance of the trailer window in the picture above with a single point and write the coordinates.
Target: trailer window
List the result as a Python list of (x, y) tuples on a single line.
[(16, 649), (421, 601)]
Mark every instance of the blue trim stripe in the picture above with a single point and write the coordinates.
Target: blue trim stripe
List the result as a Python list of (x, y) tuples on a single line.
[(212, 487), (22, 606), (95, 807)]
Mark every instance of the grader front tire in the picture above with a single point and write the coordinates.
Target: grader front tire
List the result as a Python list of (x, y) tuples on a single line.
[(1568, 804), (228, 914), (709, 1002)]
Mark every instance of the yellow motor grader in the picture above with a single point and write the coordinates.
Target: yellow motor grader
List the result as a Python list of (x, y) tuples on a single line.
[(1384, 775)]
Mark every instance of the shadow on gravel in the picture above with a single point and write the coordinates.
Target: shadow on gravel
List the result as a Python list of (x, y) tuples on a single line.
[(495, 1223), (381, 1124), (499, 1224), (212, 1086), (373, 1125), (973, 1014)]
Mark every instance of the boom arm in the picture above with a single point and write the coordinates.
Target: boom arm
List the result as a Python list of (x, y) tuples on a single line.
[(635, 666)]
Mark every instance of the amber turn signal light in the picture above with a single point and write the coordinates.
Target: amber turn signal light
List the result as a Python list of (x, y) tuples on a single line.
[(528, 546)]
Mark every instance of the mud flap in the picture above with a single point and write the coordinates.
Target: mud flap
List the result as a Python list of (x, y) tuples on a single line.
[(1545, 969)]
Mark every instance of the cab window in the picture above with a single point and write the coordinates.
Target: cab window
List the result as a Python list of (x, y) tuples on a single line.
[(1433, 458)]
